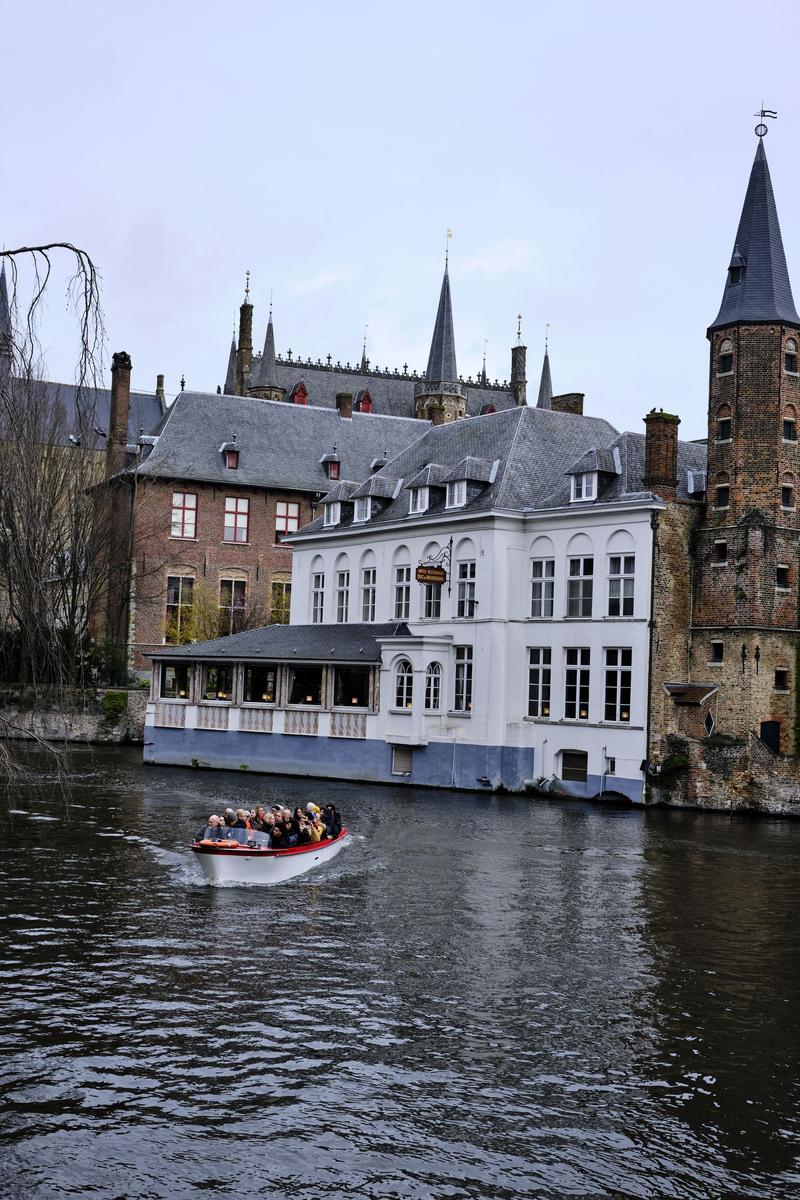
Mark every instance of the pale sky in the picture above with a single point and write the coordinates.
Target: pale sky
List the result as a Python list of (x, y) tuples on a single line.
[(590, 158)]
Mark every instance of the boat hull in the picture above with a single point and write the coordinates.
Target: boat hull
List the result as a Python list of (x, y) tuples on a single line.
[(245, 865)]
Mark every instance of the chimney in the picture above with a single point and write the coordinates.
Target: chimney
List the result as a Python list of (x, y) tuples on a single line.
[(519, 383), (344, 404), (117, 438), (661, 453), (160, 391), (569, 402), (245, 353)]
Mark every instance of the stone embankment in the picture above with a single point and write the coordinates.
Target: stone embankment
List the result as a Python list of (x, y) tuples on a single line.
[(111, 716), (726, 776)]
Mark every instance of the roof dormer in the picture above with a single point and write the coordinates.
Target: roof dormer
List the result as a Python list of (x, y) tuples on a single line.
[(230, 454)]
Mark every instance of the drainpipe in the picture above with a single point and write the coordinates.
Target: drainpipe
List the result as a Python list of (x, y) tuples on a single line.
[(653, 548)]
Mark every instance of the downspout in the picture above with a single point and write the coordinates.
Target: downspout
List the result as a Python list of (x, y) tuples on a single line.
[(654, 517)]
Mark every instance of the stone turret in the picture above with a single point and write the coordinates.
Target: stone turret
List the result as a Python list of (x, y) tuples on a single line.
[(439, 397)]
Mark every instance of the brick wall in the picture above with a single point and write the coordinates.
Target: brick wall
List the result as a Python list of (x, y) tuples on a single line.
[(207, 558), (672, 592), (743, 778)]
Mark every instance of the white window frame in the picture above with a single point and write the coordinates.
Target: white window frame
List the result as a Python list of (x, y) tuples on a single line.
[(404, 686), (584, 487), (544, 583), (617, 683), (621, 584), (362, 510), (342, 596), (463, 679), (418, 501), (456, 494), (333, 513), (402, 592), (466, 602), (577, 678), (433, 687), (317, 597), (580, 587), (369, 577), (431, 601), (540, 676)]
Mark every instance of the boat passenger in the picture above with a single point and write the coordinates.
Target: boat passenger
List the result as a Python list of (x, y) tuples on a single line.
[(242, 820), (230, 817), (333, 820)]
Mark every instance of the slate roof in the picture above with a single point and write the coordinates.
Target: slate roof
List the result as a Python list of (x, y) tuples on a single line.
[(86, 412), (230, 374), (280, 444), (534, 449), (348, 643), (597, 459), (763, 292), (442, 358)]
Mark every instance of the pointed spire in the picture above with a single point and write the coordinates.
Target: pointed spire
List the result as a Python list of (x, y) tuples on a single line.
[(230, 376), (364, 359), (757, 287), (545, 397), (267, 376), (442, 359), (6, 332)]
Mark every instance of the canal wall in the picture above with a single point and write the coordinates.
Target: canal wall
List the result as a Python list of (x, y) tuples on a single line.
[(726, 776), (109, 716)]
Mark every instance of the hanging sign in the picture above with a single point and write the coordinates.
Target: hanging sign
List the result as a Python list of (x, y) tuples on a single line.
[(431, 574)]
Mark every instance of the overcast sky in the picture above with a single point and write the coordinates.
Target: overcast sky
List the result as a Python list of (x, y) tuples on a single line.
[(590, 158)]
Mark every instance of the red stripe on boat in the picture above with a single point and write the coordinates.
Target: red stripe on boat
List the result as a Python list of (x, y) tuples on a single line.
[(267, 853)]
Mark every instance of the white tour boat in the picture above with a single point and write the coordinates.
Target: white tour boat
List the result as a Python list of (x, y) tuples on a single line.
[(231, 861)]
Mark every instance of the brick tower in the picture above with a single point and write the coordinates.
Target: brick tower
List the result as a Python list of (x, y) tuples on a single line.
[(745, 622)]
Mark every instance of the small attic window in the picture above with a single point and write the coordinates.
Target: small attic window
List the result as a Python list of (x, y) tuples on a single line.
[(584, 487), (363, 509), (232, 459), (333, 469), (419, 499), (735, 275), (333, 513), (364, 403), (456, 494)]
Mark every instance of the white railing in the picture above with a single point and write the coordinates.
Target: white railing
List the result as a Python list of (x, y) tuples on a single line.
[(170, 716), (348, 725), (299, 722), (255, 720), (209, 717)]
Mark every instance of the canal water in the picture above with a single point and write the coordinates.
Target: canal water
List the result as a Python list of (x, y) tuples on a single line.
[(480, 997)]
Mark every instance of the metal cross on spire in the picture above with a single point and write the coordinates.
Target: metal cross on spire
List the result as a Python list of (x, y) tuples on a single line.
[(761, 129)]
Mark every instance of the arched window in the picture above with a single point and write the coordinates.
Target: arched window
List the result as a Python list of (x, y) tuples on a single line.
[(403, 684), (790, 357), (722, 491), (724, 423), (790, 423), (725, 358), (433, 687), (788, 495)]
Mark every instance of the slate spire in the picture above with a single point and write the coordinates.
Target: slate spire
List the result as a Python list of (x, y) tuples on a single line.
[(230, 377), (757, 287), (6, 332), (442, 358), (545, 397), (267, 377)]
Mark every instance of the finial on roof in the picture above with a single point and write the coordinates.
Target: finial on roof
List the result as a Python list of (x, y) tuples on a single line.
[(761, 129), (545, 397), (270, 302), (447, 248), (519, 329), (364, 359), (183, 382), (247, 287), (483, 368), (546, 337)]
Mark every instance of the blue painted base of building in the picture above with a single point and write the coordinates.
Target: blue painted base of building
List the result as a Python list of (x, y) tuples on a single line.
[(439, 764)]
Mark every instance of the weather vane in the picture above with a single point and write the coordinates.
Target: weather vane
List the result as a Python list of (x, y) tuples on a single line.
[(761, 129)]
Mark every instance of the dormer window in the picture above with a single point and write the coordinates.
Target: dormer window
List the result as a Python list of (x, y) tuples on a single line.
[(725, 358), (456, 494), (790, 357), (232, 460), (419, 500), (584, 487), (735, 275), (363, 508), (333, 469), (333, 513)]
